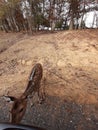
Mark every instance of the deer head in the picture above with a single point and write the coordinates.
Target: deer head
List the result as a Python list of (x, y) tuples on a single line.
[(18, 109)]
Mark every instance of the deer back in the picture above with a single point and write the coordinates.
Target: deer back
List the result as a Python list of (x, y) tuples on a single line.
[(34, 79)]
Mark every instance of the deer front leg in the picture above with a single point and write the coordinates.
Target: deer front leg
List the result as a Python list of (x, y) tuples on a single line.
[(30, 98)]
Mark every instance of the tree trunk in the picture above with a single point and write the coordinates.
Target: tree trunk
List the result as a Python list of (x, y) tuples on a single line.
[(71, 25), (9, 23), (52, 13), (5, 28), (14, 21)]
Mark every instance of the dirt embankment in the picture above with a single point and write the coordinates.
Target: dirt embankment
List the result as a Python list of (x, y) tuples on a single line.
[(70, 64)]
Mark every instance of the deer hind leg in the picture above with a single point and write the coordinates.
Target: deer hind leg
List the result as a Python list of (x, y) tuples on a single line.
[(41, 94)]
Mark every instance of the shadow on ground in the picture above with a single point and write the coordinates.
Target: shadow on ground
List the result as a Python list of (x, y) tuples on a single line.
[(56, 114)]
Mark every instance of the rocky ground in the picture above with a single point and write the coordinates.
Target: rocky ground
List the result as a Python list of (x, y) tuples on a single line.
[(70, 65)]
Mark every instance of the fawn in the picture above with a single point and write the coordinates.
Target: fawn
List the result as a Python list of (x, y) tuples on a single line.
[(19, 106)]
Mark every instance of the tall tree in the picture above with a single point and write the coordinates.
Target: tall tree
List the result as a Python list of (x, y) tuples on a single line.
[(74, 8)]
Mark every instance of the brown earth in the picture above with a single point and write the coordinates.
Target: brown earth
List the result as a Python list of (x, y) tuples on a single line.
[(70, 65)]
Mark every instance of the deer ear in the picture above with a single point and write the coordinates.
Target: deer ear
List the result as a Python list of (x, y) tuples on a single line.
[(10, 98)]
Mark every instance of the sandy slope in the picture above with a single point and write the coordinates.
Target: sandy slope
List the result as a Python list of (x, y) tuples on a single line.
[(69, 59)]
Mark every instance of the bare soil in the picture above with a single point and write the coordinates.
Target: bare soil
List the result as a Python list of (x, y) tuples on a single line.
[(70, 64)]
